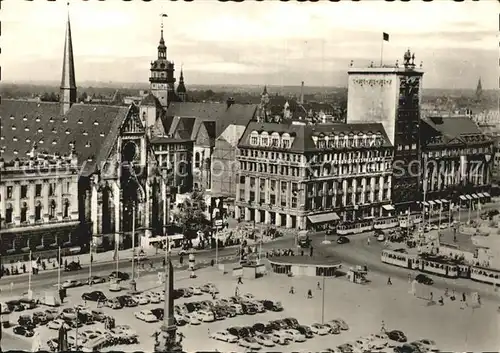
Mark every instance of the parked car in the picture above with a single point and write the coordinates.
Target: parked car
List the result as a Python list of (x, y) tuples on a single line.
[(180, 319), (96, 280), (158, 312), (27, 304), (40, 318), (52, 313), (68, 313), (193, 319), (122, 276), (128, 301), (264, 340), (258, 306), (320, 329), (188, 292), (343, 240), (209, 288), (280, 338), (95, 296), (98, 315), (146, 316), (349, 348), (55, 324), (153, 298), (424, 279), (397, 336), (378, 341), (272, 306), (291, 322), (248, 296), (72, 266), (206, 316), (334, 327), (71, 283), (141, 299), (295, 335), (342, 324), (305, 330), (23, 331), (224, 336), (425, 345), (407, 348), (25, 320), (249, 309), (14, 306), (249, 342), (238, 308), (114, 303)]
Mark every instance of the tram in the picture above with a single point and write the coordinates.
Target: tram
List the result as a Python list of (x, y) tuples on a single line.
[(485, 275), (359, 227), (385, 223)]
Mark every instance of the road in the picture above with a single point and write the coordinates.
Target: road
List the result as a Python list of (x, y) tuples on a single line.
[(48, 279), (12, 343)]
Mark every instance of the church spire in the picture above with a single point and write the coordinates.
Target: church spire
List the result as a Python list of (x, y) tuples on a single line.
[(162, 48), (181, 88), (479, 90), (68, 82)]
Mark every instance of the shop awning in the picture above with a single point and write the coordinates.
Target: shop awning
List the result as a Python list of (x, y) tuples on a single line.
[(432, 203), (462, 197), (437, 201), (388, 207), (480, 194), (325, 217), (474, 196), (425, 203), (444, 201), (468, 197), (486, 194)]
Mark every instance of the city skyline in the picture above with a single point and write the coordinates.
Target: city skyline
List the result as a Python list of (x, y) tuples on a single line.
[(251, 43)]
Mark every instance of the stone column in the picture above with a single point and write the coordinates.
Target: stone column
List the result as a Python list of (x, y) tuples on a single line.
[(94, 208), (381, 186), (237, 214), (363, 190), (45, 199), (247, 214), (267, 218), (257, 216), (247, 189), (354, 187), (344, 190), (73, 209), (389, 188), (300, 221), (59, 196), (16, 205), (288, 221), (238, 187), (3, 192), (100, 215), (268, 191), (31, 203), (372, 189), (147, 217), (278, 219)]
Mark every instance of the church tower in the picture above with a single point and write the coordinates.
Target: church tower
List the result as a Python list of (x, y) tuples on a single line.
[(479, 90), (162, 80), (181, 88), (67, 96)]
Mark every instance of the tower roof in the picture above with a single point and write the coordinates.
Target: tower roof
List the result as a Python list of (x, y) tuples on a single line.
[(181, 88), (68, 71)]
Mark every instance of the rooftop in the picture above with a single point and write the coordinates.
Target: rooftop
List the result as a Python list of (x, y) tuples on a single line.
[(326, 261)]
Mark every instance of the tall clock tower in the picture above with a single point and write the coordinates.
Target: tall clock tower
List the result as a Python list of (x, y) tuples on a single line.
[(391, 95), (161, 79)]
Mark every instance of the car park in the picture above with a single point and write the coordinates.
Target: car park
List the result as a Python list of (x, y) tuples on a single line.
[(23, 331), (320, 329), (224, 336), (146, 316), (95, 296), (264, 340)]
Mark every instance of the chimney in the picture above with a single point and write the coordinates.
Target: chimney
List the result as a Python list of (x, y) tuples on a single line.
[(302, 93), (230, 102)]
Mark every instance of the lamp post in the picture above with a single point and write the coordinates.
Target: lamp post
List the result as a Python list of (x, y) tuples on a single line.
[(59, 268), (90, 265), (133, 285), (470, 210), (323, 300), (29, 275)]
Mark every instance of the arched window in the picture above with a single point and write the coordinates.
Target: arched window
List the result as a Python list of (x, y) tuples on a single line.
[(275, 139), (24, 212), (254, 138), (66, 208), (8, 214), (285, 140), (264, 139), (197, 160), (38, 211), (52, 209)]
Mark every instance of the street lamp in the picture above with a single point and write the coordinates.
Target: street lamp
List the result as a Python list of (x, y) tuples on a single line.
[(133, 284), (323, 299)]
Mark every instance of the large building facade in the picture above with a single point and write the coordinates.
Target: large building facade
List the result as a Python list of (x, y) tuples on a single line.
[(299, 176)]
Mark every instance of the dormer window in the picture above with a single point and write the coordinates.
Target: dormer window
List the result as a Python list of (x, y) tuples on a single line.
[(54, 142), (14, 138), (37, 119), (12, 117), (80, 122), (25, 118), (96, 123), (26, 129), (101, 134), (13, 127), (65, 120), (67, 132), (40, 142), (85, 133), (40, 129), (51, 120), (28, 140), (87, 144)]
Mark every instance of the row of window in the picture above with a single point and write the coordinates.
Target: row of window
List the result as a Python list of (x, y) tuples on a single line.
[(458, 152), (9, 211), (349, 142), (170, 147), (38, 190), (273, 140), (352, 199)]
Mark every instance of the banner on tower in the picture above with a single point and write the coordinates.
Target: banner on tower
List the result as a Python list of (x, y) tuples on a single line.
[(385, 36)]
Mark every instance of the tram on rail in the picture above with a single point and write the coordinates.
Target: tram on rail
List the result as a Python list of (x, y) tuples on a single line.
[(382, 223), (441, 267)]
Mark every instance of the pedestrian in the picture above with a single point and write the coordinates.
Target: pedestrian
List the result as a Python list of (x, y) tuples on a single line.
[(239, 280), (441, 301), (464, 298), (181, 259), (389, 282), (236, 291), (85, 302), (446, 292), (368, 241), (309, 294), (208, 331), (292, 290), (151, 264), (478, 299), (212, 263), (382, 326), (78, 260), (318, 286), (301, 252), (409, 277), (432, 296)]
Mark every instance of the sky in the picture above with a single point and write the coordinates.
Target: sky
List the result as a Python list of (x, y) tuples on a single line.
[(256, 43)]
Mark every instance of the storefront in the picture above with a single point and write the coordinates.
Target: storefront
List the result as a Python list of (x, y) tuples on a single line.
[(322, 221), (304, 266)]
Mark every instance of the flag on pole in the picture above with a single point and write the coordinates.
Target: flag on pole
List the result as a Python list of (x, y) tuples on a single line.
[(163, 15), (385, 36)]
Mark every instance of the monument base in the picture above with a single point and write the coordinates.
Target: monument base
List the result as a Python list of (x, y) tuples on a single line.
[(167, 340)]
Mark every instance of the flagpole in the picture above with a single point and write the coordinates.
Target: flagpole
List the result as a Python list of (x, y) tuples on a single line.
[(29, 275), (382, 52)]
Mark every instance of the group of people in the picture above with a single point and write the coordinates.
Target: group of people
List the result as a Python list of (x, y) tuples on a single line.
[(309, 291)]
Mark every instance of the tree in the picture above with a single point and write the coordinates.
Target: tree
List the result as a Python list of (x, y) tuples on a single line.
[(191, 214)]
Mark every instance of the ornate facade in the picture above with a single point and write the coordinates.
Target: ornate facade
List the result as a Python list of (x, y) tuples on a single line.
[(300, 176)]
